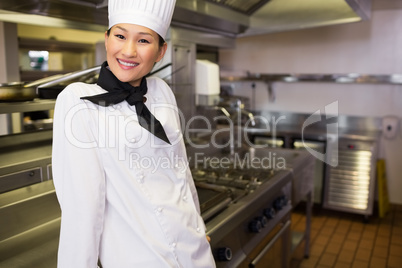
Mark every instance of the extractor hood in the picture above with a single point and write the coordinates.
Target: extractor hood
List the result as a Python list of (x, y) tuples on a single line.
[(227, 17), (267, 16)]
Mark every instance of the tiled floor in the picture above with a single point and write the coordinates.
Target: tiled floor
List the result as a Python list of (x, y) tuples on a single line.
[(344, 240)]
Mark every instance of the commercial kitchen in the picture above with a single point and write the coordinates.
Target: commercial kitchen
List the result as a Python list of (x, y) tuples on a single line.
[(290, 113)]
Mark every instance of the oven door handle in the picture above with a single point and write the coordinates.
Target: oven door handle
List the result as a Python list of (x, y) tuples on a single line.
[(269, 245)]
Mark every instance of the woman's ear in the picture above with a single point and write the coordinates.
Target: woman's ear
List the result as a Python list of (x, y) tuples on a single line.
[(162, 51), (106, 38)]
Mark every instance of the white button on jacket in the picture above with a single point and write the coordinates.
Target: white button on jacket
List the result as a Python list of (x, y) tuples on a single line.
[(112, 176)]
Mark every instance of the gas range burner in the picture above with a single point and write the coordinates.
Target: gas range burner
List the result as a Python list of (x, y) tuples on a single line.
[(245, 179), (218, 188)]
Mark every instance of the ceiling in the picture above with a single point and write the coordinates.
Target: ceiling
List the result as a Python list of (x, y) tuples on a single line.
[(228, 17)]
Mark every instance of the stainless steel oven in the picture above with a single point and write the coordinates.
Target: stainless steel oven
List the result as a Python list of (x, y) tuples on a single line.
[(250, 224), (270, 252)]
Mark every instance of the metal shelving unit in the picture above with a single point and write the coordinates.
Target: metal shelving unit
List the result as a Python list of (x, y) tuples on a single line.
[(25, 156)]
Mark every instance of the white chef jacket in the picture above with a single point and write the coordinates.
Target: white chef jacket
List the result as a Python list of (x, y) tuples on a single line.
[(127, 197)]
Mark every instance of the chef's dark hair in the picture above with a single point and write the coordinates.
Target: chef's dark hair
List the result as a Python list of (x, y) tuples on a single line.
[(161, 40)]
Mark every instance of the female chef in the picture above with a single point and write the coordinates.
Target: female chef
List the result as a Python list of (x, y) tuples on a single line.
[(119, 163)]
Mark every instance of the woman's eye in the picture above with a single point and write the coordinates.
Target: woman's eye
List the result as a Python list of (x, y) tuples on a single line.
[(119, 36), (143, 41)]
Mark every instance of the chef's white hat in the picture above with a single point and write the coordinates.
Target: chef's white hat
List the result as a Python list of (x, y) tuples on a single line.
[(153, 14)]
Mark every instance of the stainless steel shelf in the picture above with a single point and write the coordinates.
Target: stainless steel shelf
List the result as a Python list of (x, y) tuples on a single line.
[(27, 106), (351, 78), (297, 238)]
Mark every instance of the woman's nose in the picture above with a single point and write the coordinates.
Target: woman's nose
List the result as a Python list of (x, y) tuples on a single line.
[(130, 49)]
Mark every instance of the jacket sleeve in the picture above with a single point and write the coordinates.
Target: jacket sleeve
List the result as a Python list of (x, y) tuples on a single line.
[(79, 180)]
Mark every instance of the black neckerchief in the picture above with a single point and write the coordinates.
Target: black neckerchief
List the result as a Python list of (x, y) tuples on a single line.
[(119, 91)]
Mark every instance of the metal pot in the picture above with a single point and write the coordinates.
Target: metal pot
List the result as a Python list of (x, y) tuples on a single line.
[(47, 88), (22, 91), (17, 91)]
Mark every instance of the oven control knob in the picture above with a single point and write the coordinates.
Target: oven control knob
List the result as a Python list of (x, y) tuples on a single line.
[(224, 254), (263, 220), (269, 213), (255, 226), (284, 200), (278, 203)]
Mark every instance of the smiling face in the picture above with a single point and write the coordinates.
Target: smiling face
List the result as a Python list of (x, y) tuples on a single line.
[(132, 51)]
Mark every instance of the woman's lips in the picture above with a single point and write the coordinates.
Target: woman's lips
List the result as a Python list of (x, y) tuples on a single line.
[(126, 63)]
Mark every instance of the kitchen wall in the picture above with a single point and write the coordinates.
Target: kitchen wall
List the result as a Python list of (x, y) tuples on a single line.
[(370, 47)]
